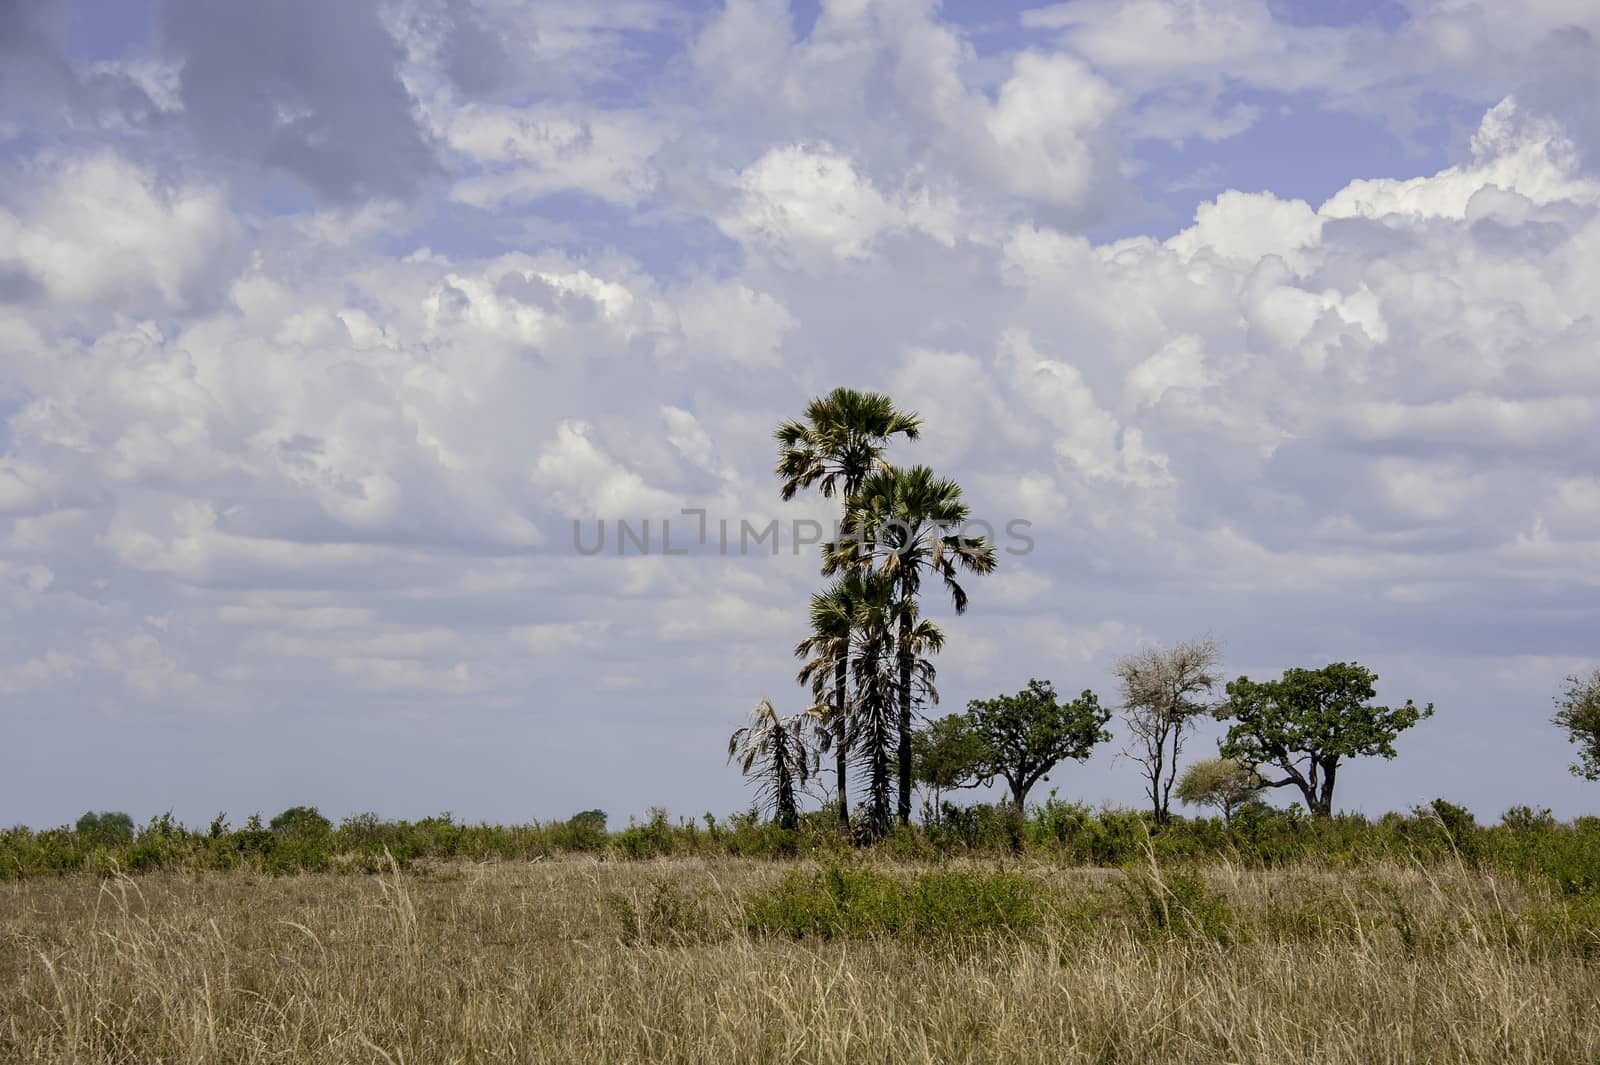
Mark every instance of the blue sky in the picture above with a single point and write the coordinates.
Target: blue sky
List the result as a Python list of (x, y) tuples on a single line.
[(321, 324)]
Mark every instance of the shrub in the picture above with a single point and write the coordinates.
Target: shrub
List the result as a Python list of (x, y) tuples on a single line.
[(1178, 903), (849, 901)]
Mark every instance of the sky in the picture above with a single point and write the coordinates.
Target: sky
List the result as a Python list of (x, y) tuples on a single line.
[(324, 328)]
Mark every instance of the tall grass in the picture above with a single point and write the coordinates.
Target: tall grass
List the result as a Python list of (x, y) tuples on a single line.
[(726, 960)]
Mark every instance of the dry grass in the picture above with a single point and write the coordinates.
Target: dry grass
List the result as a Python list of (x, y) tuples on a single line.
[(574, 961)]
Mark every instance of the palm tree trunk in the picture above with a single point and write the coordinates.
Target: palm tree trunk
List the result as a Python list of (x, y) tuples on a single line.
[(905, 720), (840, 734), (876, 736)]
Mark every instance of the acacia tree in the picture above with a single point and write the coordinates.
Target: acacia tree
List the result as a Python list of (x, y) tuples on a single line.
[(1224, 784), (1026, 735), (777, 751), (1578, 713), (1163, 691), (903, 525), (1307, 723), (835, 446)]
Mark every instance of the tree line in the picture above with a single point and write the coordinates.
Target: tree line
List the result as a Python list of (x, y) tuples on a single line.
[(868, 664)]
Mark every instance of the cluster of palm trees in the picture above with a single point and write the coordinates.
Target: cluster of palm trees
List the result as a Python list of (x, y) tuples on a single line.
[(868, 658)]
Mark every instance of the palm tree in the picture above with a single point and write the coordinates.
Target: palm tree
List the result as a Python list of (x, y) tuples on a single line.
[(836, 446), (827, 656), (880, 626), (840, 441), (900, 525), (778, 750)]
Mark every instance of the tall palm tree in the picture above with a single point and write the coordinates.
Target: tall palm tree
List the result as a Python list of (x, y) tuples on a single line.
[(778, 751), (899, 526), (835, 446), (827, 653), (880, 626)]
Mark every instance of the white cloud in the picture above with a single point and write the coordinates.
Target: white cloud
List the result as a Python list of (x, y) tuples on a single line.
[(96, 230), (802, 200)]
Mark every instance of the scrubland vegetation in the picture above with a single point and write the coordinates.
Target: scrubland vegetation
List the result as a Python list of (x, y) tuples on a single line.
[(704, 958), (1065, 935)]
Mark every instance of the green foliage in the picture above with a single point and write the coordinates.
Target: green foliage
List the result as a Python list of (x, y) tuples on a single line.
[(946, 754), (301, 822), (1225, 784), (1578, 715), (107, 827), (1306, 724), (839, 441), (1177, 904), (665, 914), (1025, 735), (1528, 844), (855, 901)]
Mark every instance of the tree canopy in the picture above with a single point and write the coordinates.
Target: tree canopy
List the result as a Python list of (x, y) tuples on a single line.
[(1224, 784), (1578, 713), (1306, 724), (1025, 735)]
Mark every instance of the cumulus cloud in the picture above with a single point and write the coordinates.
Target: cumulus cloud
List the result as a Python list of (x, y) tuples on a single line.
[(98, 231)]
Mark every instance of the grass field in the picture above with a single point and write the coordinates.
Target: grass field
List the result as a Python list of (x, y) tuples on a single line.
[(728, 960)]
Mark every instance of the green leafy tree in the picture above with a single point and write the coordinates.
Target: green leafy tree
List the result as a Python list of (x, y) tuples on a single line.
[(1224, 784), (1164, 689), (301, 822), (1027, 734), (107, 826), (946, 754), (777, 752), (835, 446), (1306, 724), (1578, 713), (905, 526)]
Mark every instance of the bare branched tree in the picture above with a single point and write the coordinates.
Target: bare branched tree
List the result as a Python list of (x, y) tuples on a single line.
[(1164, 689)]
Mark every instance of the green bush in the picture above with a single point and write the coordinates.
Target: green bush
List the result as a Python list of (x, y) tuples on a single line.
[(851, 901), (1178, 904)]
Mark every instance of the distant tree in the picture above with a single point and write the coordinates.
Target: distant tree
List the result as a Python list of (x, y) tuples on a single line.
[(1163, 691), (1578, 713), (946, 754), (1025, 735), (777, 752), (1307, 723), (1225, 784), (108, 826), (301, 822)]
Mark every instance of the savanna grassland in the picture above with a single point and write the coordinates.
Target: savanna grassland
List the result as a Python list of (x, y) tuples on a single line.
[(580, 958)]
